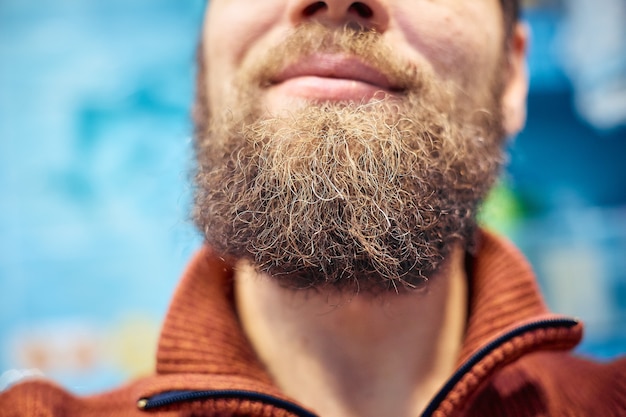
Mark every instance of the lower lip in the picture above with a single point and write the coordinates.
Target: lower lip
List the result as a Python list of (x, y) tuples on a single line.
[(315, 88)]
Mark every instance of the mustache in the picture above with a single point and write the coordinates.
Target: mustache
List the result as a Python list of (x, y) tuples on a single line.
[(310, 40)]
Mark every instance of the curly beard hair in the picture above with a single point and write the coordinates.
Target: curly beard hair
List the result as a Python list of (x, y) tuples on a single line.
[(353, 196)]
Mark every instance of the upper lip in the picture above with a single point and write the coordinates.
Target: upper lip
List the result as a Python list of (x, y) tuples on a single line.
[(335, 66)]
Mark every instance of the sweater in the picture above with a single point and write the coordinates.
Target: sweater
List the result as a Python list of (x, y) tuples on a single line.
[(515, 359)]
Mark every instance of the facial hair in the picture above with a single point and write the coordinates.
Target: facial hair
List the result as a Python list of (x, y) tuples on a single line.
[(352, 196)]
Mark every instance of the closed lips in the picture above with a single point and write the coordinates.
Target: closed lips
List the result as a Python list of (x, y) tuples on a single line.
[(335, 67)]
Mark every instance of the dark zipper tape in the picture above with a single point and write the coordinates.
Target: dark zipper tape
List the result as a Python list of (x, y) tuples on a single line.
[(485, 350), (172, 397)]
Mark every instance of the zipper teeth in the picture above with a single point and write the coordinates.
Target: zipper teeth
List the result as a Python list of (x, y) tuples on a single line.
[(485, 350), (172, 397), (167, 398)]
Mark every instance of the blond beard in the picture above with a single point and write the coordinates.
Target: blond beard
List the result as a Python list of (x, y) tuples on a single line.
[(355, 196)]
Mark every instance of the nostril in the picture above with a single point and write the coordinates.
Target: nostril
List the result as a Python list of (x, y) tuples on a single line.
[(313, 8), (362, 9)]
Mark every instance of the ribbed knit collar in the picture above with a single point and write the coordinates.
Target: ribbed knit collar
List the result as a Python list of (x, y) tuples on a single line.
[(503, 292), (202, 333)]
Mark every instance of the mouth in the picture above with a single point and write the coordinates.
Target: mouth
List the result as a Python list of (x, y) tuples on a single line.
[(333, 78)]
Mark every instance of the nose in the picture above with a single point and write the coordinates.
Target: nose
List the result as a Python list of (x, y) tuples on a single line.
[(368, 14)]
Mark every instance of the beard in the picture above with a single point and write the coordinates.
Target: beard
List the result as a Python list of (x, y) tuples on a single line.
[(365, 196)]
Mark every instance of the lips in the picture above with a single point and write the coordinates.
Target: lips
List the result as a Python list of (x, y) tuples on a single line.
[(335, 76)]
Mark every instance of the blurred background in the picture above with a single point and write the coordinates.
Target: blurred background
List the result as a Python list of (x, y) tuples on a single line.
[(95, 156)]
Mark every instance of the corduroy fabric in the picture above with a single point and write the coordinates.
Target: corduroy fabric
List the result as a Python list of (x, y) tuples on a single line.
[(202, 347)]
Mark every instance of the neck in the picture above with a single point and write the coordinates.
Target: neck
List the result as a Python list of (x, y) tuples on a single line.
[(360, 355)]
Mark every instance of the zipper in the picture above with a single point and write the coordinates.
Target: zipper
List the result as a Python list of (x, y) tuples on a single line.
[(488, 348), (173, 397)]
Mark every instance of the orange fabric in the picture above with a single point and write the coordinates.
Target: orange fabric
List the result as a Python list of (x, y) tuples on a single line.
[(202, 347)]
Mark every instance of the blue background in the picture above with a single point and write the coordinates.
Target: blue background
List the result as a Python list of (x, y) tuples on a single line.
[(95, 159)]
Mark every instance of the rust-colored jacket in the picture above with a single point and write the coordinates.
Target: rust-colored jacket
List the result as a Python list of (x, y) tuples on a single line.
[(514, 360)]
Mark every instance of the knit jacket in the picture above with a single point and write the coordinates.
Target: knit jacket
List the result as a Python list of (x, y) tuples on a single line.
[(515, 358)]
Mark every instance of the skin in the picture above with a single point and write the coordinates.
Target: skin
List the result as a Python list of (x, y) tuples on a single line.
[(357, 356), (468, 50)]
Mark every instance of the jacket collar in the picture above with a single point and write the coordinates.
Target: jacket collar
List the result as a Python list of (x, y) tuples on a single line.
[(202, 333), (503, 292)]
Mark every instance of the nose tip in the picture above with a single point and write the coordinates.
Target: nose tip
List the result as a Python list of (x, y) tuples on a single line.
[(369, 14)]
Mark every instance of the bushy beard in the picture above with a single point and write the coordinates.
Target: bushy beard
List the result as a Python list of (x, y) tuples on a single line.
[(356, 196)]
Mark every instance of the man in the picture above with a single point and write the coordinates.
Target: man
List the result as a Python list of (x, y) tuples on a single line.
[(343, 148)]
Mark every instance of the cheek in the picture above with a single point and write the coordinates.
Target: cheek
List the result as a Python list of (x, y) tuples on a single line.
[(458, 44), (232, 28)]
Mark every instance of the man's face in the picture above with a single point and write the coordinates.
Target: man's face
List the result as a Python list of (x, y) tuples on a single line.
[(348, 142), (458, 40)]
